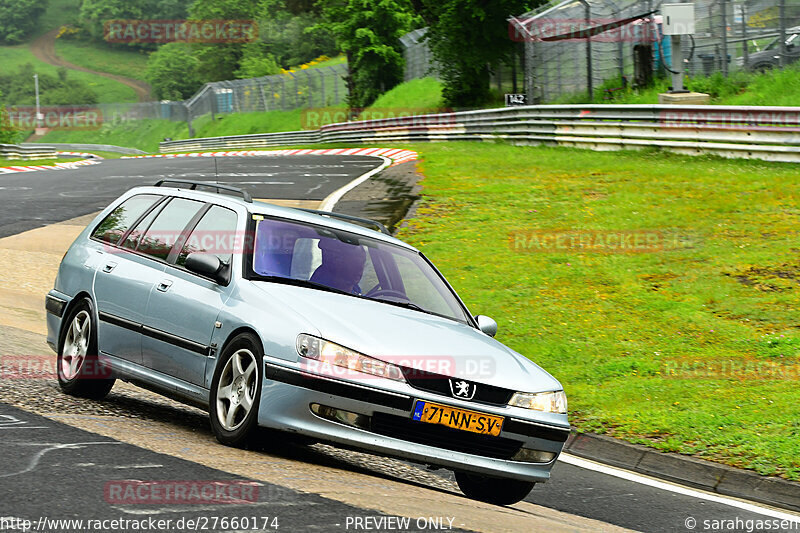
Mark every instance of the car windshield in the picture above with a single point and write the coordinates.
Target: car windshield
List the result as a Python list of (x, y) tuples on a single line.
[(339, 261)]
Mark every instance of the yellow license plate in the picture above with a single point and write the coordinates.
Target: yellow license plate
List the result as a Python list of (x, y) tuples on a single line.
[(473, 421)]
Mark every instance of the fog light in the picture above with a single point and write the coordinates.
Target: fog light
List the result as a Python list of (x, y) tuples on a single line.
[(533, 456), (338, 415)]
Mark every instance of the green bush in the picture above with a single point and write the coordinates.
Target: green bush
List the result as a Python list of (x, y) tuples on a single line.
[(18, 19), (172, 71), (53, 90)]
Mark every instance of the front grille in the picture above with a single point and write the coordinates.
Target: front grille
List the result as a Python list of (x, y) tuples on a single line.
[(439, 384), (455, 440)]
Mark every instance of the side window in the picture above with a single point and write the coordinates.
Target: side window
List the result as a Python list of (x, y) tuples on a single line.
[(114, 226), (160, 237), (214, 234), (132, 240)]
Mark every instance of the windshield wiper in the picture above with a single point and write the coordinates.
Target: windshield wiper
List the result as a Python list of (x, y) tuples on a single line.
[(400, 303), (302, 283)]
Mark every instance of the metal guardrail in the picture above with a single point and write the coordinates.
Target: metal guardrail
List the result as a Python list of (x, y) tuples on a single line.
[(767, 133), (27, 152), (89, 147)]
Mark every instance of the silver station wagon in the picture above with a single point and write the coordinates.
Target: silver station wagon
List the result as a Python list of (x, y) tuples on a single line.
[(303, 322)]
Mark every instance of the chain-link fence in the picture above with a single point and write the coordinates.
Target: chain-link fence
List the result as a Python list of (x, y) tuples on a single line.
[(313, 87), (419, 63), (418, 56), (575, 46)]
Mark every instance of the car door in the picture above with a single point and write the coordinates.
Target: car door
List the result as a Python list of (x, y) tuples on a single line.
[(184, 306), (123, 280)]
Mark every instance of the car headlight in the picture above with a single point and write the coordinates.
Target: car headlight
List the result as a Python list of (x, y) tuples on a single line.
[(549, 402), (329, 353)]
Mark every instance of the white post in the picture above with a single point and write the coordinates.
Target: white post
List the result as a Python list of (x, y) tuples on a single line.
[(677, 63), (38, 113)]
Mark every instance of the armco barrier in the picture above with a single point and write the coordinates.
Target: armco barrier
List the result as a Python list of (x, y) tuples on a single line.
[(90, 147), (768, 133), (27, 152)]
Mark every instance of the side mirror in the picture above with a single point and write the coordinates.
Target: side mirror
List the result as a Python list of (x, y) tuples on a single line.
[(207, 265), (487, 325)]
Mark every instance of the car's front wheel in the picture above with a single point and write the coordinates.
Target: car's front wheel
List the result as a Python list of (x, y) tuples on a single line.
[(236, 391), (78, 366), (493, 490)]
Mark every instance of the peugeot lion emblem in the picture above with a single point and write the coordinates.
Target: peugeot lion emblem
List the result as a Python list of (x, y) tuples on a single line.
[(462, 389)]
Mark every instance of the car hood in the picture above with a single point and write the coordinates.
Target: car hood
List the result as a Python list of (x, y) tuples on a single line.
[(411, 338)]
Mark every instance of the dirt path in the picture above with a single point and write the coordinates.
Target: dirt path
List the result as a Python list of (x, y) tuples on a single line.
[(44, 48)]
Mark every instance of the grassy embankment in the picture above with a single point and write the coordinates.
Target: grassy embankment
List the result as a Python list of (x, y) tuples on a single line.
[(146, 134), (108, 91)]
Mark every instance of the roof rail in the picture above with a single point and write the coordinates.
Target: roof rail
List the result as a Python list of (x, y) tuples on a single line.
[(348, 218), (194, 184)]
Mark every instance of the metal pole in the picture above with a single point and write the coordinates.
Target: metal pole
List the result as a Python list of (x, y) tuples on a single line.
[(782, 58), (745, 51), (724, 13), (589, 85), (36, 89), (677, 63), (189, 120)]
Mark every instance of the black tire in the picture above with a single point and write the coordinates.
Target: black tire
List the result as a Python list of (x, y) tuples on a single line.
[(240, 430), (493, 490), (78, 364)]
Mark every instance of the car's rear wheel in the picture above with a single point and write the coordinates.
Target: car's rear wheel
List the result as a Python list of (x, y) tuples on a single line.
[(236, 391), (78, 367), (493, 490)]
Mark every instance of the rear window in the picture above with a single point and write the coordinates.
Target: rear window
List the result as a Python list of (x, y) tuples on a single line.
[(114, 226)]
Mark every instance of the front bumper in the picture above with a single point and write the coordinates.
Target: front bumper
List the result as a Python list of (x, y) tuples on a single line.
[(385, 426)]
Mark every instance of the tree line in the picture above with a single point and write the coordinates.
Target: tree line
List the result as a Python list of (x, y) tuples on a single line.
[(465, 37)]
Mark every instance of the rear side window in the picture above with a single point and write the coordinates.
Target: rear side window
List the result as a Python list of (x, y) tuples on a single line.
[(162, 234), (214, 234), (114, 226)]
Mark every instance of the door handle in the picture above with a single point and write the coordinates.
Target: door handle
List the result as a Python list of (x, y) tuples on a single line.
[(111, 265), (164, 285)]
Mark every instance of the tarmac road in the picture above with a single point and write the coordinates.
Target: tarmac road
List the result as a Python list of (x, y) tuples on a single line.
[(308, 487)]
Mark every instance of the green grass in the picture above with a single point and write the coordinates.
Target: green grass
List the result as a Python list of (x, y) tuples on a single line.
[(142, 134), (423, 93), (27, 163), (642, 342), (130, 64), (108, 91), (146, 134), (244, 123)]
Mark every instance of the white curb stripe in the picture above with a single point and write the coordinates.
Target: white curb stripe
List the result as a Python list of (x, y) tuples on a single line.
[(678, 489), (394, 155)]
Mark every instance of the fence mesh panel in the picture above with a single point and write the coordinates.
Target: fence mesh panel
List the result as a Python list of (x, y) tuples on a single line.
[(570, 42)]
